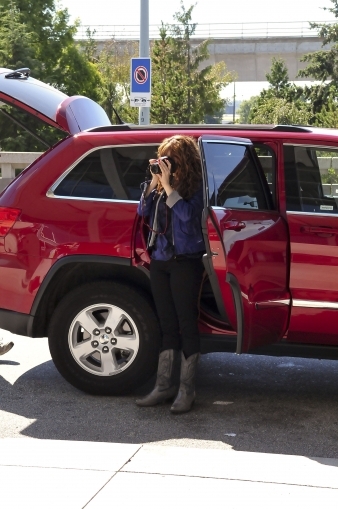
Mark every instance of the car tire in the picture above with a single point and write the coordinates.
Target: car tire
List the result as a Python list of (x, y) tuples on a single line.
[(120, 352)]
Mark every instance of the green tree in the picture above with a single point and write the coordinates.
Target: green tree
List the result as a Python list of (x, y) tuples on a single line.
[(279, 84), (282, 102), (89, 46), (275, 110), (244, 109), (17, 44), (322, 65), (278, 77), (165, 78), (328, 115), (182, 91)]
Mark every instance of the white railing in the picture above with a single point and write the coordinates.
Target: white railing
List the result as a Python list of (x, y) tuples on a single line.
[(208, 30), (12, 161)]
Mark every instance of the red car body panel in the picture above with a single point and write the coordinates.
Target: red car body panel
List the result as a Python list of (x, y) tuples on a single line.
[(257, 257), (313, 277)]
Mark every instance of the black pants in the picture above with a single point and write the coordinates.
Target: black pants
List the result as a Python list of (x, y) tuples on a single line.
[(176, 286)]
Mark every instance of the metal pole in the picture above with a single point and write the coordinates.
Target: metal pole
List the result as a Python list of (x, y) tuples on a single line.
[(144, 113)]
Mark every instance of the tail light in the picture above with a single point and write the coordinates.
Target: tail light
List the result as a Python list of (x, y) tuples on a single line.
[(8, 217)]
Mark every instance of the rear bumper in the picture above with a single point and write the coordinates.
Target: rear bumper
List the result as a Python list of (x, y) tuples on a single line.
[(17, 323)]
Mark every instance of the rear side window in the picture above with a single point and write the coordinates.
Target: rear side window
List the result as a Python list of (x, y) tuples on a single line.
[(311, 179), (113, 173)]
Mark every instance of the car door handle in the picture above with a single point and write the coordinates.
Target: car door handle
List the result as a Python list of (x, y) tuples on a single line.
[(234, 225), (319, 230)]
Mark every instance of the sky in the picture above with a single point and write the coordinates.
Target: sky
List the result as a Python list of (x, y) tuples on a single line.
[(127, 12)]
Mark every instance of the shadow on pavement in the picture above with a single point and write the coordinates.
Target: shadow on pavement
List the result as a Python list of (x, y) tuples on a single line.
[(258, 404)]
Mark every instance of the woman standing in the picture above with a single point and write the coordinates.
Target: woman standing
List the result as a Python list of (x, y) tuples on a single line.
[(173, 201)]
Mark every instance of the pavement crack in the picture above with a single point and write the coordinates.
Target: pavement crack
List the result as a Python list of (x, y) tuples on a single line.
[(117, 471)]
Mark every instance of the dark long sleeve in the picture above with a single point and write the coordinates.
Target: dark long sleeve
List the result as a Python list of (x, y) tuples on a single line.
[(145, 204), (186, 209)]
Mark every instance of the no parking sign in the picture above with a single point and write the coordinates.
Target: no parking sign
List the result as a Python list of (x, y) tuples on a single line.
[(140, 82)]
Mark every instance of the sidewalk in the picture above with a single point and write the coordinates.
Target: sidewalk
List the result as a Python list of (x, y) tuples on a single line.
[(73, 475)]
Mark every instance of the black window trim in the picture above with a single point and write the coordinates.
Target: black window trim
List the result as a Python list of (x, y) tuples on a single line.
[(50, 192), (274, 177)]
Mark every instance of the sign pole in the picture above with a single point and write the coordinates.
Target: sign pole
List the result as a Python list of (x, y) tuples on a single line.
[(144, 113)]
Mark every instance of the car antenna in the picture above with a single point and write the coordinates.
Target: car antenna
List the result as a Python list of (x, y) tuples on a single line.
[(24, 127), (118, 116)]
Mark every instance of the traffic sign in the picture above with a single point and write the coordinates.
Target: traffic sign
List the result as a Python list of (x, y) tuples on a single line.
[(140, 82), (141, 75)]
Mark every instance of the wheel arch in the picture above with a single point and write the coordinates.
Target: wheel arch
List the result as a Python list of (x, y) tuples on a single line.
[(72, 271)]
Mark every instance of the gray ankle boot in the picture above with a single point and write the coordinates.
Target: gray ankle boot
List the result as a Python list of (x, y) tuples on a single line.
[(186, 393), (165, 387)]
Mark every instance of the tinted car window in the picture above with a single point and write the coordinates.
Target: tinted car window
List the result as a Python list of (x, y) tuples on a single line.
[(236, 181), (311, 181), (109, 173)]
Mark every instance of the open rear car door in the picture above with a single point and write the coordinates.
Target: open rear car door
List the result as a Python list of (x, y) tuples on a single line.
[(70, 114), (247, 243)]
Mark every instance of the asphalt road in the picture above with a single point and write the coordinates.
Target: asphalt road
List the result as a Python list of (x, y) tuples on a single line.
[(248, 403)]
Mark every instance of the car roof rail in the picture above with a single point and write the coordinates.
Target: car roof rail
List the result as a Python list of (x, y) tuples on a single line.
[(230, 127), (107, 128), (292, 128), (238, 127)]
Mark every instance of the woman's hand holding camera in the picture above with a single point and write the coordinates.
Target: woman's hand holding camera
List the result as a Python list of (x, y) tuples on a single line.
[(164, 176), (163, 173)]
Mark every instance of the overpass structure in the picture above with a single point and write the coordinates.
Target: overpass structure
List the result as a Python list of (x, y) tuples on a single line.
[(246, 48), (251, 58)]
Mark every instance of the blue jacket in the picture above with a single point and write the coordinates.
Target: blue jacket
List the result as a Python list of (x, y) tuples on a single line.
[(186, 216)]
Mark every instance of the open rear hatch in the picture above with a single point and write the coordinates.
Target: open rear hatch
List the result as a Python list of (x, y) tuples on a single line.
[(70, 114)]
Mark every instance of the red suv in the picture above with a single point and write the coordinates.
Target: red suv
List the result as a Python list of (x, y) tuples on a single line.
[(73, 259)]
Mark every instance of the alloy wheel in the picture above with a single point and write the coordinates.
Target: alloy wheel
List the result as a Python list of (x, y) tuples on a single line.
[(103, 339)]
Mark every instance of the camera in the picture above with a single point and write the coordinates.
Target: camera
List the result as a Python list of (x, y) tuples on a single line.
[(155, 167)]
